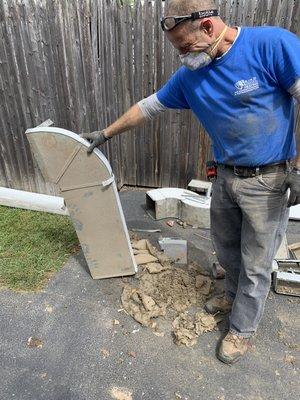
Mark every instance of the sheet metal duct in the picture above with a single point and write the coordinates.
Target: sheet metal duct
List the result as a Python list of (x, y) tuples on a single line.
[(87, 185)]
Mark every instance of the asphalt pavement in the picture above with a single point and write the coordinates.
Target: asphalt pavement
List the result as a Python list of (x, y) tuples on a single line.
[(81, 354)]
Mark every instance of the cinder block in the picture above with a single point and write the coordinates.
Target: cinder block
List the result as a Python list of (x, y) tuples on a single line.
[(186, 205)]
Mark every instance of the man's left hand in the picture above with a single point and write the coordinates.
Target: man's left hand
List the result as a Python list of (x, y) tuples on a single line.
[(292, 182)]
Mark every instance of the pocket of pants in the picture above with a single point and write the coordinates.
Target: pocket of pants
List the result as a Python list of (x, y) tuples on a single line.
[(272, 181)]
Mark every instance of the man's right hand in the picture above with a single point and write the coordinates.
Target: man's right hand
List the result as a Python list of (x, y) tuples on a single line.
[(96, 138)]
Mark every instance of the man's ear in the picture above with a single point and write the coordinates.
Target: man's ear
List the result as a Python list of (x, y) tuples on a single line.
[(207, 27)]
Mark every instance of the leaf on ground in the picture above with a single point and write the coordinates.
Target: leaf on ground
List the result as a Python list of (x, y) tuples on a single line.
[(34, 342)]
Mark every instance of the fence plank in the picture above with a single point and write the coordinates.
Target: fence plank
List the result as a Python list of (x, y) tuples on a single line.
[(84, 63), (295, 21)]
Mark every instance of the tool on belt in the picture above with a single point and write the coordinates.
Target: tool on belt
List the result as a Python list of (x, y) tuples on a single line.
[(211, 170)]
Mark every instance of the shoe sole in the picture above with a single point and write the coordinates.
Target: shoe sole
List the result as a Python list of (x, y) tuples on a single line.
[(227, 361)]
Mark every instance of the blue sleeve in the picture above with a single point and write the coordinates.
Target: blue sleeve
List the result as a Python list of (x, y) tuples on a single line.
[(286, 58), (171, 94)]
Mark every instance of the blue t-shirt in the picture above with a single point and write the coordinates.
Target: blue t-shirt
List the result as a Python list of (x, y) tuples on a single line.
[(241, 99)]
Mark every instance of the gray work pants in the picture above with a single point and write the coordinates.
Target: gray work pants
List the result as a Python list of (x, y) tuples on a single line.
[(249, 217)]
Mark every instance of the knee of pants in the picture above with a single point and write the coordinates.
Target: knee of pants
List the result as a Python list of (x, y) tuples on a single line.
[(255, 283)]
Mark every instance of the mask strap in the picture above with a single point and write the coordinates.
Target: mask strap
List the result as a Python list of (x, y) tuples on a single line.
[(218, 40)]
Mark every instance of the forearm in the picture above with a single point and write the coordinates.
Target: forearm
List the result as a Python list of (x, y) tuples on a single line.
[(141, 112), (131, 119), (138, 114), (295, 92)]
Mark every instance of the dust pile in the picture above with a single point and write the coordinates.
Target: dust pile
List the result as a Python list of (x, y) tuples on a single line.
[(172, 293)]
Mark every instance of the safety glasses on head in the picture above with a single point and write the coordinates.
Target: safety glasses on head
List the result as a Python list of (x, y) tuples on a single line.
[(170, 22)]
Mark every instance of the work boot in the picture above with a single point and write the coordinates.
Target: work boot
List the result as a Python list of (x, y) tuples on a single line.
[(232, 348), (221, 304)]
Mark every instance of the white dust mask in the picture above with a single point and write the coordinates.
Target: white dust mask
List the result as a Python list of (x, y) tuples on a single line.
[(200, 59), (195, 60)]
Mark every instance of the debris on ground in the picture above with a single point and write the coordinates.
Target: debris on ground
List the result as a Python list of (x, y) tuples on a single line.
[(179, 396), (289, 359), (170, 223), (204, 283), (144, 248), (162, 289), (135, 252), (141, 306), (49, 309), (34, 342), (186, 328), (104, 353), (141, 259), (173, 288), (120, 394), (155, 268), (132, 354), (159, 334), (196, 269)]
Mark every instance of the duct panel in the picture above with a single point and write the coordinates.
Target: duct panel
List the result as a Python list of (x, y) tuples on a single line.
[(95, 210)]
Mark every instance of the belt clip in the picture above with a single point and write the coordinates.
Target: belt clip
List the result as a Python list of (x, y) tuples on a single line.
[(244, 172), (239, 171), (288, 166), (236, 170)]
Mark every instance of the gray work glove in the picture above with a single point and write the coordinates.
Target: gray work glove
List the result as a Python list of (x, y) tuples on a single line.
[(96, 138), (292, 181)]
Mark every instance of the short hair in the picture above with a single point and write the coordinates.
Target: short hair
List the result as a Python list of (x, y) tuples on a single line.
[(183, 7)]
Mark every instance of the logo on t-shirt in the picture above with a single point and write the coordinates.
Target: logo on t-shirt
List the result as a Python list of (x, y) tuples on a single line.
[(245, 86)]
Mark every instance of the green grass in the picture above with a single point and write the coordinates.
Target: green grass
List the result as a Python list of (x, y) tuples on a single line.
[(33, 245)]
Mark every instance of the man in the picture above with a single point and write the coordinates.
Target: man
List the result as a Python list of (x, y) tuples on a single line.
[(240, 83)]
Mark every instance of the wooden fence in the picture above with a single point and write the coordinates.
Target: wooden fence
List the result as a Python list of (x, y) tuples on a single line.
[(83, 63)]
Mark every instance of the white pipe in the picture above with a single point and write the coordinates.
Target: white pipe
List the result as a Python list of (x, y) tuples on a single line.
[(56, 205), (295, 212), (32, 201)]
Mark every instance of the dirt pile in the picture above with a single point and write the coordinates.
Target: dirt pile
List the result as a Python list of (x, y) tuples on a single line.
[(163, 290), (186, 328)]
